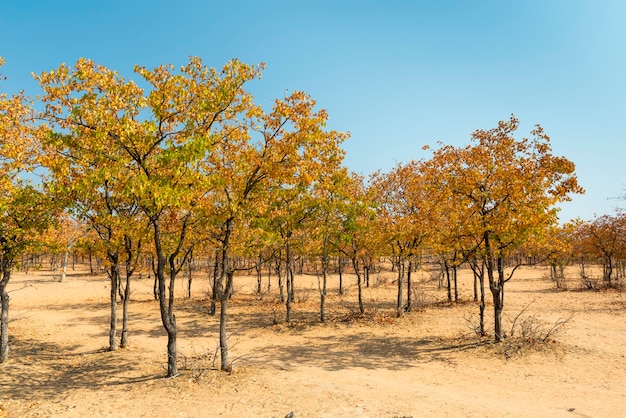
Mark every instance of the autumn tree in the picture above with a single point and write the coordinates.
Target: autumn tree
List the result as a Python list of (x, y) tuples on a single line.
[(508, 188), (259, 157), (113, 218), (554, 247), (329, 197), (604, 240), (406, 206), (289, 216), (157, 137), (358, 227), (25, 209)]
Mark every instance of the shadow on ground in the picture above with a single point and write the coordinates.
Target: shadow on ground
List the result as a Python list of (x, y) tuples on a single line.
[(59, 373)]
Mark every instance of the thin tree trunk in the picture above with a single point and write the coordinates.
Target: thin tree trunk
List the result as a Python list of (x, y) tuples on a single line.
[(399, 305), (66, 257), (189, 274), (166, 303), (4, 308), (90, 263), (215, 283), (259, 276), (496, 285), (324, 280), (114, 280), (448, 282), (226, 286), (359, 285), (281, 285), (475, 287), (408, 287), (225, 365), (289, 273), (125, 303), (340, 277), (289, 299), (482, 301), (130, 267), (456, 287)]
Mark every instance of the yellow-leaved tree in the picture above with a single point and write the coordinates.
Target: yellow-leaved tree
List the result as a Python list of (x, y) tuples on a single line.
[(150, 146), (25, 209)]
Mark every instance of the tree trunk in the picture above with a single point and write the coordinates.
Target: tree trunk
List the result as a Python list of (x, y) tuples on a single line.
[(482, 302), (359, 284), (456, 287), (281, 285), (114, 280), (340, 277), (66, 257), (289, 280), (225, 288), (448, 281), (359, 288), (155, 288), (475, 287), (189, 275), (608, 271), (496, 285), (408, 288), (90, 263), (125, 303), (497, 293), (166, 303), (399, 305), (324, 280), (214, 284), (225, 365), (4, 308), (259, 276)]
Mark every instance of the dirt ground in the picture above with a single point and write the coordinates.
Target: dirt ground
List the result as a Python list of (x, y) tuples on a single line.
[(429, 363)]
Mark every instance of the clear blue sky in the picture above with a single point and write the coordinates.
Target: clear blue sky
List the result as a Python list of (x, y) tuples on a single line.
[(396, 74)]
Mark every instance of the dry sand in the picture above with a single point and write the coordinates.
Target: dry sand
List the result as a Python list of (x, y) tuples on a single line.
[(428, 363)]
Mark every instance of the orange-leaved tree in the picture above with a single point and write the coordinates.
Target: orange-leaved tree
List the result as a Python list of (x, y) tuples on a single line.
[(257, 159), (508, 190), (603, 240), (407, 204)]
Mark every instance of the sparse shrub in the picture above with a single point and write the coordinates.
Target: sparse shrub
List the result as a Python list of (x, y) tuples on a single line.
[(197, 363), (588, 282), (529, 332), (418, 295), (382, 278)]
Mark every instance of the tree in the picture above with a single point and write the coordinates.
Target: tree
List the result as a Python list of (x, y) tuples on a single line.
[(604, 240), (329, 194), (358, 227), (507, 190), (157, 137), (92, 190), (258, 158), (406, 207), (25, 209)]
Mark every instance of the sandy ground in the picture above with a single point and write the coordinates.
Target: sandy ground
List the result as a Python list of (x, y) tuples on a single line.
[(428, 363)]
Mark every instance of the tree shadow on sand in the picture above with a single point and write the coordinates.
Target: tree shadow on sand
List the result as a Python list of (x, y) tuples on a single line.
[(43, 370), (363, 350)]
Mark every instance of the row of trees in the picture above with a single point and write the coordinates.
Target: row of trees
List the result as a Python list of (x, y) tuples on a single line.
[(184, 163)]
